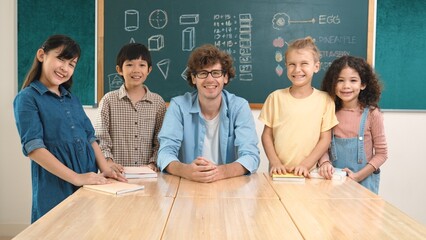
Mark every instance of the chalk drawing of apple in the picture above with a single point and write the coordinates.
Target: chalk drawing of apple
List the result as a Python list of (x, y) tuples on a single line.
[(278, 42)]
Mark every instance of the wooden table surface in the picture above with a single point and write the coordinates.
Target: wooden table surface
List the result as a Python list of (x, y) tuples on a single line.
[(246, 207), (229, 218), (330, 209), (352, 219), (321, 189), (164, 186), (93, 215), (250, 186)]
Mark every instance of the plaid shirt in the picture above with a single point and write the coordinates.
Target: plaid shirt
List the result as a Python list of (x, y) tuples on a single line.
[(127, 132)]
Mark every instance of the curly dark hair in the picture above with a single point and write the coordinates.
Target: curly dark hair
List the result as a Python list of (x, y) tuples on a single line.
[(370, 96), (205, 56)]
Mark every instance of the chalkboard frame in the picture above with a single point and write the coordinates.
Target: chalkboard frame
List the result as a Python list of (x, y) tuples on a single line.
[(101, 38)]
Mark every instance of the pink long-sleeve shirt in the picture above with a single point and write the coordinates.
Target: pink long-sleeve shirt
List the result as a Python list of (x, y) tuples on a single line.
[(374, 133)]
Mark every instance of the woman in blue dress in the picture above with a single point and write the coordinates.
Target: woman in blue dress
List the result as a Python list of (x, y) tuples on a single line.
[(55, 132)]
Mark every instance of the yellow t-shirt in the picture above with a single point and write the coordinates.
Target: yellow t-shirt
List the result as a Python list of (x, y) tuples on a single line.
[(297, 123)]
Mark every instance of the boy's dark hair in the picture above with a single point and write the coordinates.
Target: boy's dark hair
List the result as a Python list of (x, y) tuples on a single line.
[(133, 51), (205, 56), (70, 50), (370, 96)]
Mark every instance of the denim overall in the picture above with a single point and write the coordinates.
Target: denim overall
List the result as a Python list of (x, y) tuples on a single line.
[(350, 153)]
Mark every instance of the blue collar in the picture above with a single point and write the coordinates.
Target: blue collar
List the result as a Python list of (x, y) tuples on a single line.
[(42, 89)]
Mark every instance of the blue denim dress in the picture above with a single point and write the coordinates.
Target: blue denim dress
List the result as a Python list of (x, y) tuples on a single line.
[(350, 153), (59, 124)]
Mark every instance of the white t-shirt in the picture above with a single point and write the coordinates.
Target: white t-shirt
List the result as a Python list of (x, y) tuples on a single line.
[(211, 140)]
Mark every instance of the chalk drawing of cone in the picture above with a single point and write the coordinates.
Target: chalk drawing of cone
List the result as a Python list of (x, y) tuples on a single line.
[(164, 66)]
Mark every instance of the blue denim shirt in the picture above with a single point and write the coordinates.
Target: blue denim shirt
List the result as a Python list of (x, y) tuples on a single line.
[(60, 125), (182, 135)]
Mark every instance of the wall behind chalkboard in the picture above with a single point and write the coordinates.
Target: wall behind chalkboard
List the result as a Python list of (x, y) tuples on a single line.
[(255, 32), (401, 53), (37, 20)]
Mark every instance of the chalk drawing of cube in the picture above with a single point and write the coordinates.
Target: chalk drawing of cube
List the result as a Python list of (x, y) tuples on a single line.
[(156, 42)]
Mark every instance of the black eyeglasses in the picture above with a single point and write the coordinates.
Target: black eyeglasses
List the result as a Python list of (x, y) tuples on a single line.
[(205, 74)]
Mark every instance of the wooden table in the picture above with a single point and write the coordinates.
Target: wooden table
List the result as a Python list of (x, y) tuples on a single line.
[(329, 209), (250, 186), (229, 218), (164, 186), (94, 215), (91, 215), (352, 219), (246, 207), (320, 189)]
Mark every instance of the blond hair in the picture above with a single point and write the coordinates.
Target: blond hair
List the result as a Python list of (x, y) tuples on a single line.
[(307, 43)]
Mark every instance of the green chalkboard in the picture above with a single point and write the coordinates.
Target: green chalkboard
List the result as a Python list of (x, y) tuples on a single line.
[(255, 32), (401, 53), (76, 18)]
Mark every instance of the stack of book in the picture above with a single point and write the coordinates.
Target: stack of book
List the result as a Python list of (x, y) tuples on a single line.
[(115, 187), (288, 177), (139, 172)]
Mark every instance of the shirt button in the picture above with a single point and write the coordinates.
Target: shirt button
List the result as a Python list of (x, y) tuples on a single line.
[(360, 138), (136, 136), (136, 123), (136, 149), (72, 127)]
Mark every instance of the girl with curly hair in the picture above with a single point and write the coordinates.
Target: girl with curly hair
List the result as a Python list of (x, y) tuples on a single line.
[(358, 143)]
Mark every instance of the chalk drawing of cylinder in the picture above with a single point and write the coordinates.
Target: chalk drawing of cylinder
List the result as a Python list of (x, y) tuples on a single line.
[(156, 42), (188, 39), (131, 20)]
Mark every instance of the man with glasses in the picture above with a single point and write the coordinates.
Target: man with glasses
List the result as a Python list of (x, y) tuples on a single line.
[(208, 134)]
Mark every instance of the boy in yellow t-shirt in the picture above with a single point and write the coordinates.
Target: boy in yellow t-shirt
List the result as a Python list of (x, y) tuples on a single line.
[(298, 119)]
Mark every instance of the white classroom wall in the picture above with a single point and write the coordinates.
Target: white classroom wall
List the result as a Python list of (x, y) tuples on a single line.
[(402, 183)]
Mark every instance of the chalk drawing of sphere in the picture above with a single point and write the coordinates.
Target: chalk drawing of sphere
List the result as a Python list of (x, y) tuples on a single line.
[(158, 19)]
